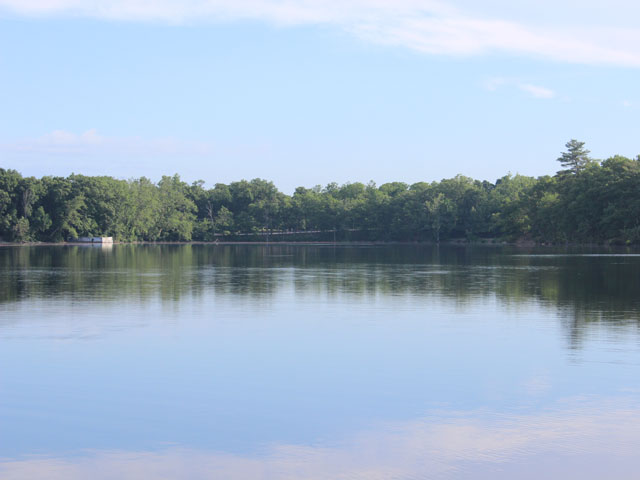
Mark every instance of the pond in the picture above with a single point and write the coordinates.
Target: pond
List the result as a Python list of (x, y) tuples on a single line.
[(318, 361)]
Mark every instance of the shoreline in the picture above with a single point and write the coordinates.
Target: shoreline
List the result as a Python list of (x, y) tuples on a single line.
[(458, 243)]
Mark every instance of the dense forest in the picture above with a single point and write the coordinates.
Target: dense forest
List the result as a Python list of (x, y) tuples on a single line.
[(587, 201)]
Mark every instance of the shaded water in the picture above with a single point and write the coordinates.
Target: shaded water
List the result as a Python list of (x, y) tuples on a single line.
[(274, 362)]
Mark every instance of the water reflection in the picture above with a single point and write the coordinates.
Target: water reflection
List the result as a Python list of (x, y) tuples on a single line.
[(580, 437), (276, 362), (586, 289)]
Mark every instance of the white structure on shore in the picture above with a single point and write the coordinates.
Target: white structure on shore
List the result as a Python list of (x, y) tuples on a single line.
[(95, 240)]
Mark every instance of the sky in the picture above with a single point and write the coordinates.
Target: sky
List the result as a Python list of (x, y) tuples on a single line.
[(309, 92)]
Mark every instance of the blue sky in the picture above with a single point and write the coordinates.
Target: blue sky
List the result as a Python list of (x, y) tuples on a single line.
[(309, 92)]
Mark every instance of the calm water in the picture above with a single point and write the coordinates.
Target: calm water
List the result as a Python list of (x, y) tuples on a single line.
[(313, 362)]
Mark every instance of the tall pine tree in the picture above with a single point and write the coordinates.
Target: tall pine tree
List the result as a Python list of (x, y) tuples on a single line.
[(575, 159)]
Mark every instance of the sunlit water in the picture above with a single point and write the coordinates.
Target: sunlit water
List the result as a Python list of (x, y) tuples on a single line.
[(318, 362)]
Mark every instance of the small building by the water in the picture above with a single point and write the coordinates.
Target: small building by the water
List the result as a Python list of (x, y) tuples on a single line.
[(95, 240)]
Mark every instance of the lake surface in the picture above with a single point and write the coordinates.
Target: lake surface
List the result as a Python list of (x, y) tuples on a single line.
[(318, 362)]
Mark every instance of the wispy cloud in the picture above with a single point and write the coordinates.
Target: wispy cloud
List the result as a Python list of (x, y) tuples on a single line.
[(91, 143), (536, 91), (494, 83), (61, 152), (428, 26)]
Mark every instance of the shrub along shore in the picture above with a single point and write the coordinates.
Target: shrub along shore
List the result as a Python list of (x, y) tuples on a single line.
[(587, 201)]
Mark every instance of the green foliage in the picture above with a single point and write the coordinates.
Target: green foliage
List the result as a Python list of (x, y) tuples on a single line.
[(20, 230), (175, 210), (589, 201), (440, 211), (575, 159), (510, 202)]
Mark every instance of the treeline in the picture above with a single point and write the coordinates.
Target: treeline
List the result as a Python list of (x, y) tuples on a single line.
[(588, 201)]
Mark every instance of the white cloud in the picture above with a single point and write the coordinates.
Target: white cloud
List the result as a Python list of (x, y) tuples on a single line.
[(62, 152), (494, 83), (536, 90), (91, 143), (429, 26), (62, 138)]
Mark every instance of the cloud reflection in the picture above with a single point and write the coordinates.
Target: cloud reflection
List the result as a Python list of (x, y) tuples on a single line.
[(588, 437)]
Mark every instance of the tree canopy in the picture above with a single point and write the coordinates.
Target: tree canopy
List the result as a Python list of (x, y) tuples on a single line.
[(588, 202), (575, 159)]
